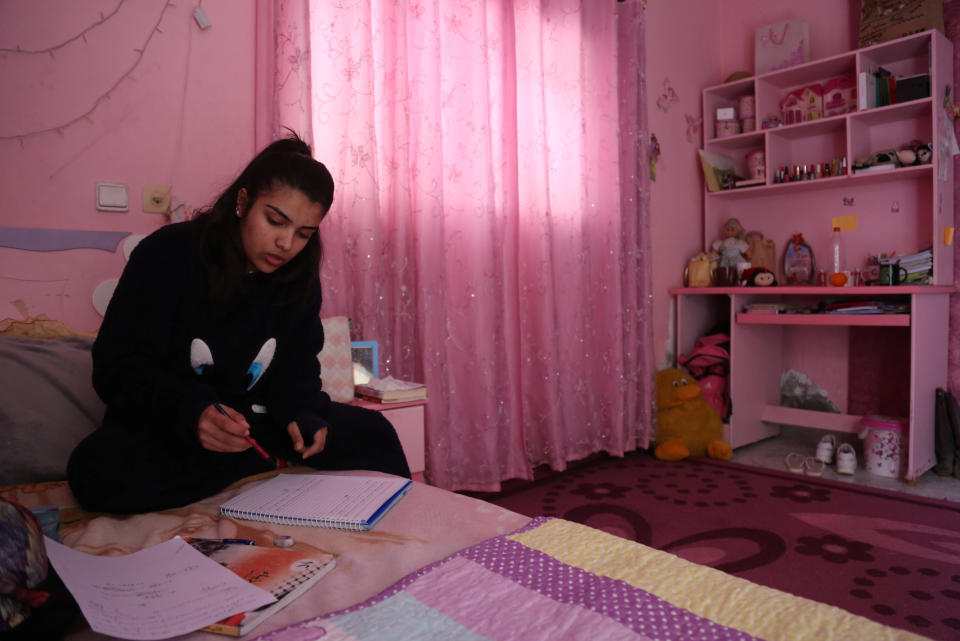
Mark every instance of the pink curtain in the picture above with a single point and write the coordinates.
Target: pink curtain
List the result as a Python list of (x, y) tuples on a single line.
[(490, 226)]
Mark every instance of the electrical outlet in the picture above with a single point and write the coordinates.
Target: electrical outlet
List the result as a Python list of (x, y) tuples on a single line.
[(156, 199)]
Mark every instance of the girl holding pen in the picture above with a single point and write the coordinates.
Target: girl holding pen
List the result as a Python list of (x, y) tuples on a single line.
[(207, 355)]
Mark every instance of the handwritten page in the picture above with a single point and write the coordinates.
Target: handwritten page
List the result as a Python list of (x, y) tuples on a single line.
[(316, 499), (157, 593)]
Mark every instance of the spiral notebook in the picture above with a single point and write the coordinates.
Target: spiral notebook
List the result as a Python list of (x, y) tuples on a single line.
[(321, 500)]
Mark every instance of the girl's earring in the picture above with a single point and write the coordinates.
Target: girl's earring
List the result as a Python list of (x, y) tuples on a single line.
[(238, 212)]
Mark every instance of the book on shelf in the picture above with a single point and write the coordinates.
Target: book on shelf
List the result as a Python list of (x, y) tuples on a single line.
[(867, 90), (342, 502), (920, 256), (751, 182), (391, 390), (283, 572), (863, 307), (762, 308)]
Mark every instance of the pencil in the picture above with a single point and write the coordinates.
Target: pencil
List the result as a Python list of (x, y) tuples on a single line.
[(262, 452)]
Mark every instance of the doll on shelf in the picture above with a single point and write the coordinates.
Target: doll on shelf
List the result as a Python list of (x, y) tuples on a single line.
[(732, 247)]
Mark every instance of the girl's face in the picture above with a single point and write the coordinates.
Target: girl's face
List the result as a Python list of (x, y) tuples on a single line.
[(276, 226)]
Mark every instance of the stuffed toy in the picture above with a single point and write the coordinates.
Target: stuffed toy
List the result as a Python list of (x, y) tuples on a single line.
[(687, 425), (759, 277)]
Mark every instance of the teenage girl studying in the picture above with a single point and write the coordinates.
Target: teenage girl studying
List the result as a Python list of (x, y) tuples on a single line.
[(207, 354)]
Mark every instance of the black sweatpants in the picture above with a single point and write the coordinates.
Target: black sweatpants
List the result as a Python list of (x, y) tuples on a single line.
[(127, 471)]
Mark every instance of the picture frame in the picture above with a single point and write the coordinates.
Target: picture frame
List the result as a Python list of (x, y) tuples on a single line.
[(366, 361)]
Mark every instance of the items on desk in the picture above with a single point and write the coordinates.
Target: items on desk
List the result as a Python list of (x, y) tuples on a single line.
[(908, 269), (863, 307), (799, 266), (762, 308), (391, 390)]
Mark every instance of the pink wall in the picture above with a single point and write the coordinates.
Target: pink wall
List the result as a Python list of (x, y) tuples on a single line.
[(183, 117), (695, 44), (681, 41)]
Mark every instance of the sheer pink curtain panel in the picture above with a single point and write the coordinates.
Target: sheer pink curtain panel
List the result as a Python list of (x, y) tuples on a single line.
[(490, 226)]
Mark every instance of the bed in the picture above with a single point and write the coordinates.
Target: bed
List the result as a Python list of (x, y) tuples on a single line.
[(441, 565)]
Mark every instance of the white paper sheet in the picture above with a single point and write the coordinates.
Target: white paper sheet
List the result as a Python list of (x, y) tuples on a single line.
[(157, 593)]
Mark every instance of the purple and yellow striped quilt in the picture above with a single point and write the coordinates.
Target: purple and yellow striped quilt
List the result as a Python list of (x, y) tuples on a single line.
[(555, 579)]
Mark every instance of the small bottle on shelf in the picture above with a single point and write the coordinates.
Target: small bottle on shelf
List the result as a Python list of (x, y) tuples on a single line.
[(837, 277)]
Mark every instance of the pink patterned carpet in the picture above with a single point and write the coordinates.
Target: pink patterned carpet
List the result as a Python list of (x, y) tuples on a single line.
[(889, 557)]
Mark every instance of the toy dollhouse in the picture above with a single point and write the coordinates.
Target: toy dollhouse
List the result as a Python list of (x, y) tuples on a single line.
[(839, 96)]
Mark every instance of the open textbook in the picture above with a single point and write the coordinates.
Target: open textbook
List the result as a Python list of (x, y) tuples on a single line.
[(283, 572)]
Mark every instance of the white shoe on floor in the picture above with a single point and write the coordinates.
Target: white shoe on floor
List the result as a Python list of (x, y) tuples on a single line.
[(846, 459), (825, 449)]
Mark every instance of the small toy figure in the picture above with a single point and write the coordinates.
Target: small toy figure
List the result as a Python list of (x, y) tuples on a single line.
[(732, 247), (915, 152), (759, 277)]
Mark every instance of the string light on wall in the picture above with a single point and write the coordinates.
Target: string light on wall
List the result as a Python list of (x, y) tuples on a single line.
[(82, 35)]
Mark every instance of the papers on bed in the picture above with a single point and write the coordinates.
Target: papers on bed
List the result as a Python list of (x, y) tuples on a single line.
[(157, 593)]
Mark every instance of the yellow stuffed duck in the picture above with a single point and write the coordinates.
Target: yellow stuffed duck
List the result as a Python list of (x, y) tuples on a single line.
[(687, 425)]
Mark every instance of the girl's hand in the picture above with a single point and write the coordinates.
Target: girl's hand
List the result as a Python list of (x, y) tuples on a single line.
[(223, 433), (319, 440)]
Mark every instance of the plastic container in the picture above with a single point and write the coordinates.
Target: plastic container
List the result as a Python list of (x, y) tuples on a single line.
[(883, 448), (836, 252)]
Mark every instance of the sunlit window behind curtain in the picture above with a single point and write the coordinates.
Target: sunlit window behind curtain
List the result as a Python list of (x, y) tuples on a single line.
[(490, 221)]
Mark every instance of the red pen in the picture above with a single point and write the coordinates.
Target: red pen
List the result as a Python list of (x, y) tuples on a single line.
[(262, 452)]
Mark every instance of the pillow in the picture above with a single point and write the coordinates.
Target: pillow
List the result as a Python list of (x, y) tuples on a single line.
[(336, 359), (47, 405)]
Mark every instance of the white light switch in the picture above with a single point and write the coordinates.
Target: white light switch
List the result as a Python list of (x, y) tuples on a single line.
[(112, 197)]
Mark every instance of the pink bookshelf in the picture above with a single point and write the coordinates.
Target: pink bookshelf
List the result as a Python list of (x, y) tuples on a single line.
[(902, 210)]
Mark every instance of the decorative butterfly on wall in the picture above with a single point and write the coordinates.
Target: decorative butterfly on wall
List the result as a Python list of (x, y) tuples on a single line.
[(668, 97)]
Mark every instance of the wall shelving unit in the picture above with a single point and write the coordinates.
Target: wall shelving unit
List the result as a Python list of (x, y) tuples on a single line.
[(900, 210)]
